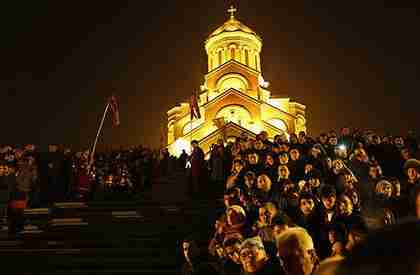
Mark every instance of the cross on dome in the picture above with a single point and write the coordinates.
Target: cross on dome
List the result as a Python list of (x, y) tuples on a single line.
[(232, 11)]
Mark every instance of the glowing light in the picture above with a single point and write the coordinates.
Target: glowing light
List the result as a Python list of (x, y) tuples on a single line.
[(179, 145), (256, 128), (263, 83), (342, 147)]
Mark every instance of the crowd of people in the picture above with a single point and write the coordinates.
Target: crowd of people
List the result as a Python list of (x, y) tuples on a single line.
[(301, 205), (30, 178)]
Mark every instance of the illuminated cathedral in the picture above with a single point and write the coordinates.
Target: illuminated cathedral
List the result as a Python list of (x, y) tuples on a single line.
[(234, 99)]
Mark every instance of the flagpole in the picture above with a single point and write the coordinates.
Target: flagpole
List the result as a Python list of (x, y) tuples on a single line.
[(190, 134), (98, 133)]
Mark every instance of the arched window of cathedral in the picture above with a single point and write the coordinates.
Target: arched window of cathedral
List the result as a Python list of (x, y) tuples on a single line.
[(236, 114), (220, 57), (235, 81), (278, 123), (246, 57), (232, 53)]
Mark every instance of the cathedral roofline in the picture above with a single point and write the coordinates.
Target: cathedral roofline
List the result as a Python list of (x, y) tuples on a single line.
[(278, 109), (232, 61), (228, 92), (257, 101)]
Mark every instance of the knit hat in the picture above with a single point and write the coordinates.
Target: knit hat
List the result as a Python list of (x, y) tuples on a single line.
[(412, 163)]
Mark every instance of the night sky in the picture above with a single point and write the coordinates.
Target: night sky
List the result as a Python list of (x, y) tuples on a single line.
[(350, 62)]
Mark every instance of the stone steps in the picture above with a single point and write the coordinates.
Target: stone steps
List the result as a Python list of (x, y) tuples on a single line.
[(115, 237)]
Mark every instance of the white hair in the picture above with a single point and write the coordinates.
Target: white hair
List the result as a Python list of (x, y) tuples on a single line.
[(295, 234)]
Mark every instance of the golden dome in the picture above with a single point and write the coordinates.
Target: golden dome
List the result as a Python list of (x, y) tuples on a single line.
[(233, 25)]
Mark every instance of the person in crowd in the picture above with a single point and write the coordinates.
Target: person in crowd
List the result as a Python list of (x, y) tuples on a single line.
[(232, 197), (236, 221), (367, 188), (283, 179), (26, 177), (281, 222), (250, 183), (337, 239), (359, 165), (218, 237), (83, 176), (232, 263), (315, 183), (328, 214), (255, 260), (237, 176), (296, 165), (309, 217), (383, 194), (283, 158), (297, 252), (263, 227), (198, 168), (413, 212), (323, 141), (7, 184), (416, 202), (191, 256), (346, 138), (52, 173), (265, 192), (345, 212), (164, 162), (217, 165), (270, 168), (183, 158), (393, 250), (412, 170), (289, 200), (253, 163)]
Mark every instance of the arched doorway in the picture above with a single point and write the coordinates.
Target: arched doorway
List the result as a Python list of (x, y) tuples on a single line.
[(236, 114)]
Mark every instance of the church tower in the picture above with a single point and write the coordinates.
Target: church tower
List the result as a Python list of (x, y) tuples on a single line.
[(234, 99)]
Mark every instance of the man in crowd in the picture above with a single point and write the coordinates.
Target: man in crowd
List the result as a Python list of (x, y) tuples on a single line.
[(297, 252), (198, 169)]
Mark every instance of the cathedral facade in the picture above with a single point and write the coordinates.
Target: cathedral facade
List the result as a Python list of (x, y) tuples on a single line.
[(234, 99)]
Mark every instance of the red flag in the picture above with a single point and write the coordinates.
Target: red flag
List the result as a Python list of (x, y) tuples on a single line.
[(194, 109), (113, 104)]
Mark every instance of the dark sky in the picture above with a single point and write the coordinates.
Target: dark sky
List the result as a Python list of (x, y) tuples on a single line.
[(349, 62)]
